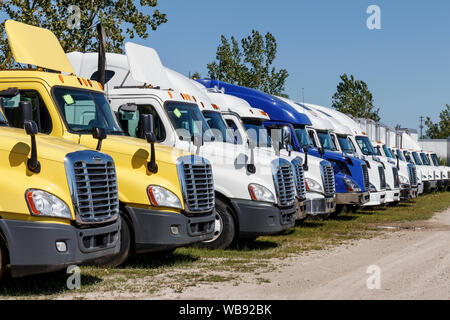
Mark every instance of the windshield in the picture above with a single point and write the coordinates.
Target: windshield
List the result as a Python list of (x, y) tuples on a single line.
[(83, 110), (345, 144), (366, 146), (303, 137), (257, 132), (425, 159), (417, 159), (218, 126), (400, 155), (3, 120), (408, 156), (188, 121), (326, 141), (388, 152), (435, 159)]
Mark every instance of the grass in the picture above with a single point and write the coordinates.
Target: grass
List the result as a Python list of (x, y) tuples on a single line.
[(187, 267)]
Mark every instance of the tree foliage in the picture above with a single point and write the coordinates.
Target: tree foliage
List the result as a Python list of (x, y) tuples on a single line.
[(353, 97), (120, 18), (440, 130), (249, 63)]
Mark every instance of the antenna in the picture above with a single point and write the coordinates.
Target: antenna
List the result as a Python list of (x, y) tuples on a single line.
[(303, 95), (421, 126)]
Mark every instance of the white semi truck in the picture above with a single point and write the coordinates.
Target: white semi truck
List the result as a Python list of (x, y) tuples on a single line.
[(253, 196)]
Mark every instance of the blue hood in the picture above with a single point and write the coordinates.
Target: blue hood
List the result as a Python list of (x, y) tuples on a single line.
[(277, 109)]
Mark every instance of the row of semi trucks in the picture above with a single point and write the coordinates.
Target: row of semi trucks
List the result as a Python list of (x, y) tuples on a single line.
[(109, 155)]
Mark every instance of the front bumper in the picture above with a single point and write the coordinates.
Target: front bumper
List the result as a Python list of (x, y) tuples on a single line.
[(409, 193), (433, 184), (393, 195), (420, 188), (153, 230), (353, 198), (32, 245), (261, 218), (320, 206), (376, 199), (301, 209)]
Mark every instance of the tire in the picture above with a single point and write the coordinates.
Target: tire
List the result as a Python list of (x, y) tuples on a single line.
[(3, 257), (125, 247), (225, 230), (340, 208)]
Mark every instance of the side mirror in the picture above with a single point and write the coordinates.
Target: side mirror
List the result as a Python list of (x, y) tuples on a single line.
[(305, 163), (99, 134), (321, 151), (32, 129), (251, 168), (27, 111), (128, 107), (146, 121)]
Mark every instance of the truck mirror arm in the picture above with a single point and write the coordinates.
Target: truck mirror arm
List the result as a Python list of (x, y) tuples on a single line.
[(251, 168), (305, 163), (146, 121), (31, 129)]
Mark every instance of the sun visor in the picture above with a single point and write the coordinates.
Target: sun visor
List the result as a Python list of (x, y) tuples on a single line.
[(145, 65), (36, 46)]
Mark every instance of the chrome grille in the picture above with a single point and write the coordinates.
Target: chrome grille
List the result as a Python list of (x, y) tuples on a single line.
[(412, 172), (284, 182), (396, 178), (299, 178), (198, 184), (382, 178), (93, 185), (366, 177), (328, 178)]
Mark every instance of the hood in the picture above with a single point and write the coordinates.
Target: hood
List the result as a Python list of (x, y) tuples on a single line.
[(50, 148)]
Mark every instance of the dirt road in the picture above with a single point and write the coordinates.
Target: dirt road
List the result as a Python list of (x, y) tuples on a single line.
[(413, 263)]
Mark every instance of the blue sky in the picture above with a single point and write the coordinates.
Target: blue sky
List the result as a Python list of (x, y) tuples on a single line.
[(406, 64)]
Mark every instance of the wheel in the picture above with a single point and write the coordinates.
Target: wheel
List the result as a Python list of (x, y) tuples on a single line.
[(125, 247), (3, 256), (224, 230), (340, 208), (299, 222)]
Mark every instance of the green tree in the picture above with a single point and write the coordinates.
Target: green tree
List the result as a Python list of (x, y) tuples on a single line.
[(249, 64), (353, 97), (440, 130), (120, 18)]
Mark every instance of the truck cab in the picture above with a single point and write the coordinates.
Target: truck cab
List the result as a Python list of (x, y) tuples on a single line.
[(263, 201), (46, 222), (163, 202)]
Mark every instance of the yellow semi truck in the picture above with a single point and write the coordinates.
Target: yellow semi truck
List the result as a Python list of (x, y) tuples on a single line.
[(166, 195), (46, 223)]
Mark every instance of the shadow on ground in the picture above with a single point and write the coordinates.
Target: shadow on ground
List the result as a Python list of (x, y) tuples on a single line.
[(46, 284)]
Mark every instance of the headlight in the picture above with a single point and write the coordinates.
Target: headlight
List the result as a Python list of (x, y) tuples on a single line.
[(424, 176), (313, 185), (44, 204), (260, 193), (351, 185), (403, 179), (388, 187), (430, 176), (372, 188), (161, 197)]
